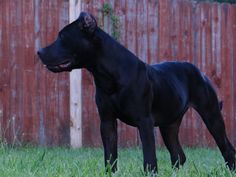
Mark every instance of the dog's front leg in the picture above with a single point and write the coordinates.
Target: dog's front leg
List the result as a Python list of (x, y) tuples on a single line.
[(146, 127), (109, 139)]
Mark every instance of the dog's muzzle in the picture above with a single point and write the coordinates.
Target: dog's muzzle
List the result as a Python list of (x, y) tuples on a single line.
[(64, 65)]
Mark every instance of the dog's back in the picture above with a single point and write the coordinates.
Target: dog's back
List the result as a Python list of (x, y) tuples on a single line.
[(179, 85)]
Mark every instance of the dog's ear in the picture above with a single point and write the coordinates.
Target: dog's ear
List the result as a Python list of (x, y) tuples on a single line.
[(87, 22)]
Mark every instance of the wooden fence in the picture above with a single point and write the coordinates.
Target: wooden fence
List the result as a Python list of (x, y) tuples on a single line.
[(156, 31), (34, 103)]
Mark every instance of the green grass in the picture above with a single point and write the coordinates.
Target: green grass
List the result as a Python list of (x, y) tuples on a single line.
[(88, 162)]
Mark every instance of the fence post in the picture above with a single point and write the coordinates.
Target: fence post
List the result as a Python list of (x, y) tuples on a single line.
[(75, 90)]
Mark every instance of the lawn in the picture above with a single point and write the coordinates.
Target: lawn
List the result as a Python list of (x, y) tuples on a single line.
[(88, 162)]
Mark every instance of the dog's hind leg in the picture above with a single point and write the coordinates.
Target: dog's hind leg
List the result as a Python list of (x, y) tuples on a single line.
[(171, 140), (206, 104)]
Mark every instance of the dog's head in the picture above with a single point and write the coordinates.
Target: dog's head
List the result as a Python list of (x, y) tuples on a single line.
[(74, 46)]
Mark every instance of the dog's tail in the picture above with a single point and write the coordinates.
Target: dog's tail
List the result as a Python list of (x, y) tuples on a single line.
[(221, 105)]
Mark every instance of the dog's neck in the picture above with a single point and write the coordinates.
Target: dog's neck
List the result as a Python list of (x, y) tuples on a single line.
[(114, 64)]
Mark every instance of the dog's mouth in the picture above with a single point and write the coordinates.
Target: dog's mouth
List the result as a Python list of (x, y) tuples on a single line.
[(64, 66)]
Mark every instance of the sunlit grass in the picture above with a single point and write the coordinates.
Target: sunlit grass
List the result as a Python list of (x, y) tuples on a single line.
[(86, 162)]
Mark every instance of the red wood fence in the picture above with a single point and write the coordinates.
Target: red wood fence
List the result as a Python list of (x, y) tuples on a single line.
[(204, 34), (34, 103)]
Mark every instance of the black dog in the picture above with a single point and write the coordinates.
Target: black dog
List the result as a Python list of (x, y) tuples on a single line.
[(139, 94)]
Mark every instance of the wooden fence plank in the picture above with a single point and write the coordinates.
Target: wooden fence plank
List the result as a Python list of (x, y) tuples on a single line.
[(5, 68), (1, 71), (224, 65), (207, 64), (164, 30), (63, 85), (185, 53), (234, 74), (90, 119), (127, 135), (228, 60), (29, 131)]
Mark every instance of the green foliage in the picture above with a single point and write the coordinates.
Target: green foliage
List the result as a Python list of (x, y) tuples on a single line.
[(88, 162), (107, 10)]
